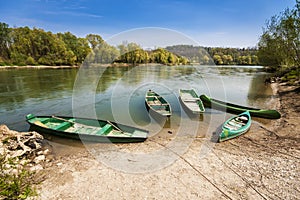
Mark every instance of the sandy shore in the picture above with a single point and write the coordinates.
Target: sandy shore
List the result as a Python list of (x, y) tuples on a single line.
[(262, 164)]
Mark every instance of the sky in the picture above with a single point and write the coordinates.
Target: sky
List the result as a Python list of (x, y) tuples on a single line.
[(221, 23)]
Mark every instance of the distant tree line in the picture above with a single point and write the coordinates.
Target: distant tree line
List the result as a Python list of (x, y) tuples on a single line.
[(134, 54), (217, 55), (25, 46)]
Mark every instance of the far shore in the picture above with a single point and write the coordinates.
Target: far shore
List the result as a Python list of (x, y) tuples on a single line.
[(76, 66), (38, 67), (70, 66), (97, 65)]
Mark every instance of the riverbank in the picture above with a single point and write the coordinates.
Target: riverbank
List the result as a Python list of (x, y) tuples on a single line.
[(262, 164), (73, 66), (38, 67), (103, 65)]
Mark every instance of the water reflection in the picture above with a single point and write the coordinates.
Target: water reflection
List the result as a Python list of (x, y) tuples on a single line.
[(19, 85), (118, 92)]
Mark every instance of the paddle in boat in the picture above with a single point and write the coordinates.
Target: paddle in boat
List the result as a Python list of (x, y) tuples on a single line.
[(158, 104), (237, 109), (235, 126), (191, 101), (92, 130)]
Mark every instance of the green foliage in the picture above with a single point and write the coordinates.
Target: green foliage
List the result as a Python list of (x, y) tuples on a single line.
[(14, 185), (192, 53), (218, 60), (134, 54), (290, 75), (103, 53), (166, 57), (279, 44), (94, 40), (25, 46), (4, 41), (30, 61), (216, 55), (78, 46)]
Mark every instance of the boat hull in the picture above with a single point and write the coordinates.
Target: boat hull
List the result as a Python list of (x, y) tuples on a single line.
[(140, 137), (191, 101), (237, 109), (157, 104), (234, 127)]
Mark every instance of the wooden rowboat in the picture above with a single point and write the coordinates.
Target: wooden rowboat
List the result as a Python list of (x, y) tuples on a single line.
[(157, 104), (92, 130), (235, 126), (191, 101), (237, 109)]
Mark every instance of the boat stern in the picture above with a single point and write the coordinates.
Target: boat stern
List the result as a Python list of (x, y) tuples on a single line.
[(224, 135), (30, 116)]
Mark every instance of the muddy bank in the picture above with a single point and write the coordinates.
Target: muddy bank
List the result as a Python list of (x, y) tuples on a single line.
[(264, 163)]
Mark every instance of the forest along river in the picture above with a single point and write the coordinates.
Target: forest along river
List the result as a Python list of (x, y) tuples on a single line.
[(118, 93)]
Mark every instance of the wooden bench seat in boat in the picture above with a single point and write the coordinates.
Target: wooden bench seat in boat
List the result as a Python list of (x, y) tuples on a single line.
[(105, 129), (230, 127), (63, 126)]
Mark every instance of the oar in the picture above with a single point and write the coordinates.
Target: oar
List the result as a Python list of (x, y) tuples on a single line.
[(62, 119), (125, 133), (114, 126), (81, 125)]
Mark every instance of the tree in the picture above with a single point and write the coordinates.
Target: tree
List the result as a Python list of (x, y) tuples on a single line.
[(218, 59), (94, 40), (4, 40), (79, 46), (40, 47), (105, 54), (280, 42)]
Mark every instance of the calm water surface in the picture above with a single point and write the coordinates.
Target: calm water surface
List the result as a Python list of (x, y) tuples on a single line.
[(118, 93)]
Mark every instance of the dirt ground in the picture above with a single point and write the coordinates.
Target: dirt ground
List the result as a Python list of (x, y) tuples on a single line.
[(264, 163)]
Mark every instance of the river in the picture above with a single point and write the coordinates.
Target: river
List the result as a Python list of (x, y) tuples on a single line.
[(117, 93)]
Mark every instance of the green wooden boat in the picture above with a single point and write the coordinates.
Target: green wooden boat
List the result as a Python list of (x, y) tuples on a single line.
[(235, 126), (157, 104), (92, 130), (191, 101), (237, 109)]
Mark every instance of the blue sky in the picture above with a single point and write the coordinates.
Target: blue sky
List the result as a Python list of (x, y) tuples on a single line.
[(225, 23)]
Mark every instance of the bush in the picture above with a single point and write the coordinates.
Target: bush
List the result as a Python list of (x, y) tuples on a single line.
[(14, 185), (30, 61)]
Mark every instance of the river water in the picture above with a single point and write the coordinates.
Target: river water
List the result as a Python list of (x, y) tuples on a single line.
[(117, 93)]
